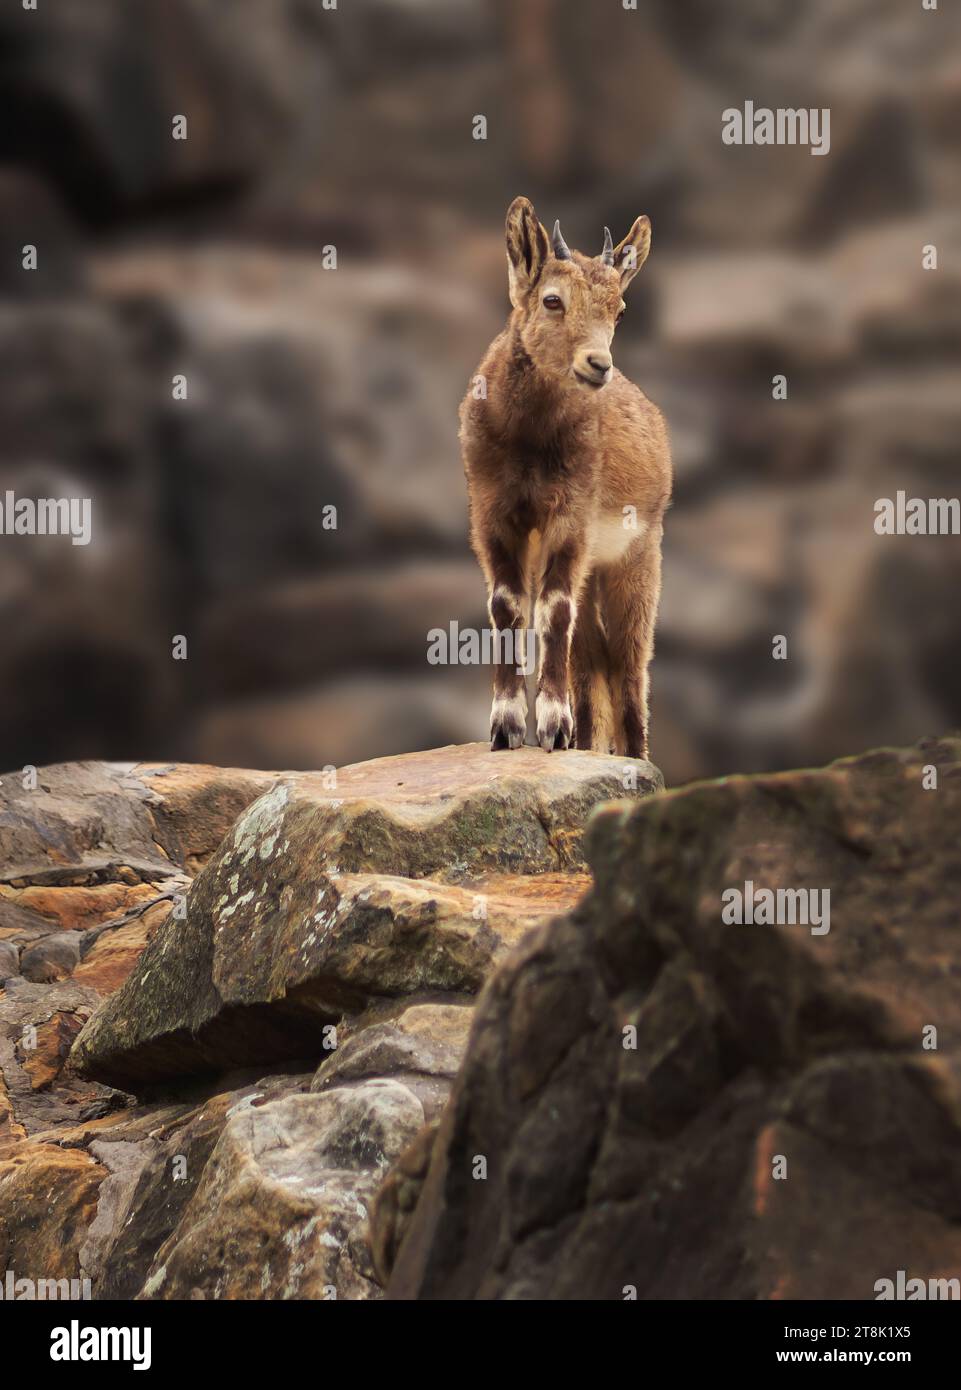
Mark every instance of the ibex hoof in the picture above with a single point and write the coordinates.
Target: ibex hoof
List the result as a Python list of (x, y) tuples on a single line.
[(555, 724), (508, 724)]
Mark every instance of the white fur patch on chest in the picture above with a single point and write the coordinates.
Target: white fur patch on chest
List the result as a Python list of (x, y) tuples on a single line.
[(611, 534)]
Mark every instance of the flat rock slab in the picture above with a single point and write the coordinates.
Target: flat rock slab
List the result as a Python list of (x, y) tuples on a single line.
[(401, 876), (452, 813), (87, 824), (80, 824)]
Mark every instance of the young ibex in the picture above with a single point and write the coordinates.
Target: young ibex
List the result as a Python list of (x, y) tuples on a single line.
[(569, 474)]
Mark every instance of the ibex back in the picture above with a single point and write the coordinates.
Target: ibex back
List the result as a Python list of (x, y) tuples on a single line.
[(569, 474)]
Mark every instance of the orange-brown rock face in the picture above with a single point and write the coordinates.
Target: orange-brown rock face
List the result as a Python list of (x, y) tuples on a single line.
[(92, 859)]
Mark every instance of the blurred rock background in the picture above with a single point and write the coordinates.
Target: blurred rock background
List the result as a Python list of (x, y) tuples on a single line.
[(310, 387)]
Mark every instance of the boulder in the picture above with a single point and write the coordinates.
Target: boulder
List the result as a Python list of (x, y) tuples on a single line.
[(390, 879), (64, 908), (174, 1216), (283, 1196), (108, 954), (90, 843), (677, 1106), (157, 1159), (132, 1175), (192, 806), (51, 1194), (54, 957), (420, 1046), (423, 1041), (395, 1201)]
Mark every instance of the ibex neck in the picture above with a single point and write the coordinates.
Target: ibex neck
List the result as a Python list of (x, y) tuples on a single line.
[(538, 407)]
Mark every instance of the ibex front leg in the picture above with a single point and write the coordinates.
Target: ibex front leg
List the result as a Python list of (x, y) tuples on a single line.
[(554, 615), (509, 607)]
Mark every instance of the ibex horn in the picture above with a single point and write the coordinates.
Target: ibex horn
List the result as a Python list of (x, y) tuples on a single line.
[(560, 247), (607, 255)]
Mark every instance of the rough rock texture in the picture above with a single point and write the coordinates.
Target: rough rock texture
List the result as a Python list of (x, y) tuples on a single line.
[(172, 1144), (645, 1097), (411, 874), (9, 960), (423, 1043), (657, 1167), (38, 1025), (395, 1202), (81, 825), (305, 1012), (95, 825), (49, 1198), (92, 858), (86, 849), (283, 1194), (281, 1208)]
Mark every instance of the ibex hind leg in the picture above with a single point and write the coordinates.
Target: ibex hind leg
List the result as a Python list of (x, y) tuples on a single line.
[(631, 591), (590, 688)]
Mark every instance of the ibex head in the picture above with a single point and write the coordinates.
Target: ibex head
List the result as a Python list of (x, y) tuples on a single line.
[(569, 304)]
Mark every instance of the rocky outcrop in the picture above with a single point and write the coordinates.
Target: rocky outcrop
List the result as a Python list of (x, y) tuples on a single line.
[(399, 876), (293, 1027), (659, 1102), (92, 859), (651, 1098)]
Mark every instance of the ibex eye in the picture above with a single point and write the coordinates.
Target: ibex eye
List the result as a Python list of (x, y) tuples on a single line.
[(553, 301)]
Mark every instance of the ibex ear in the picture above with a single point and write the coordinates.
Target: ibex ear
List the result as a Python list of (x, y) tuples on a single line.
[(631, 253), (527, 248)]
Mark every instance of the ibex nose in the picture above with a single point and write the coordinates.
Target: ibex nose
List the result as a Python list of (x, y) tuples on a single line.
[(593, 366)]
